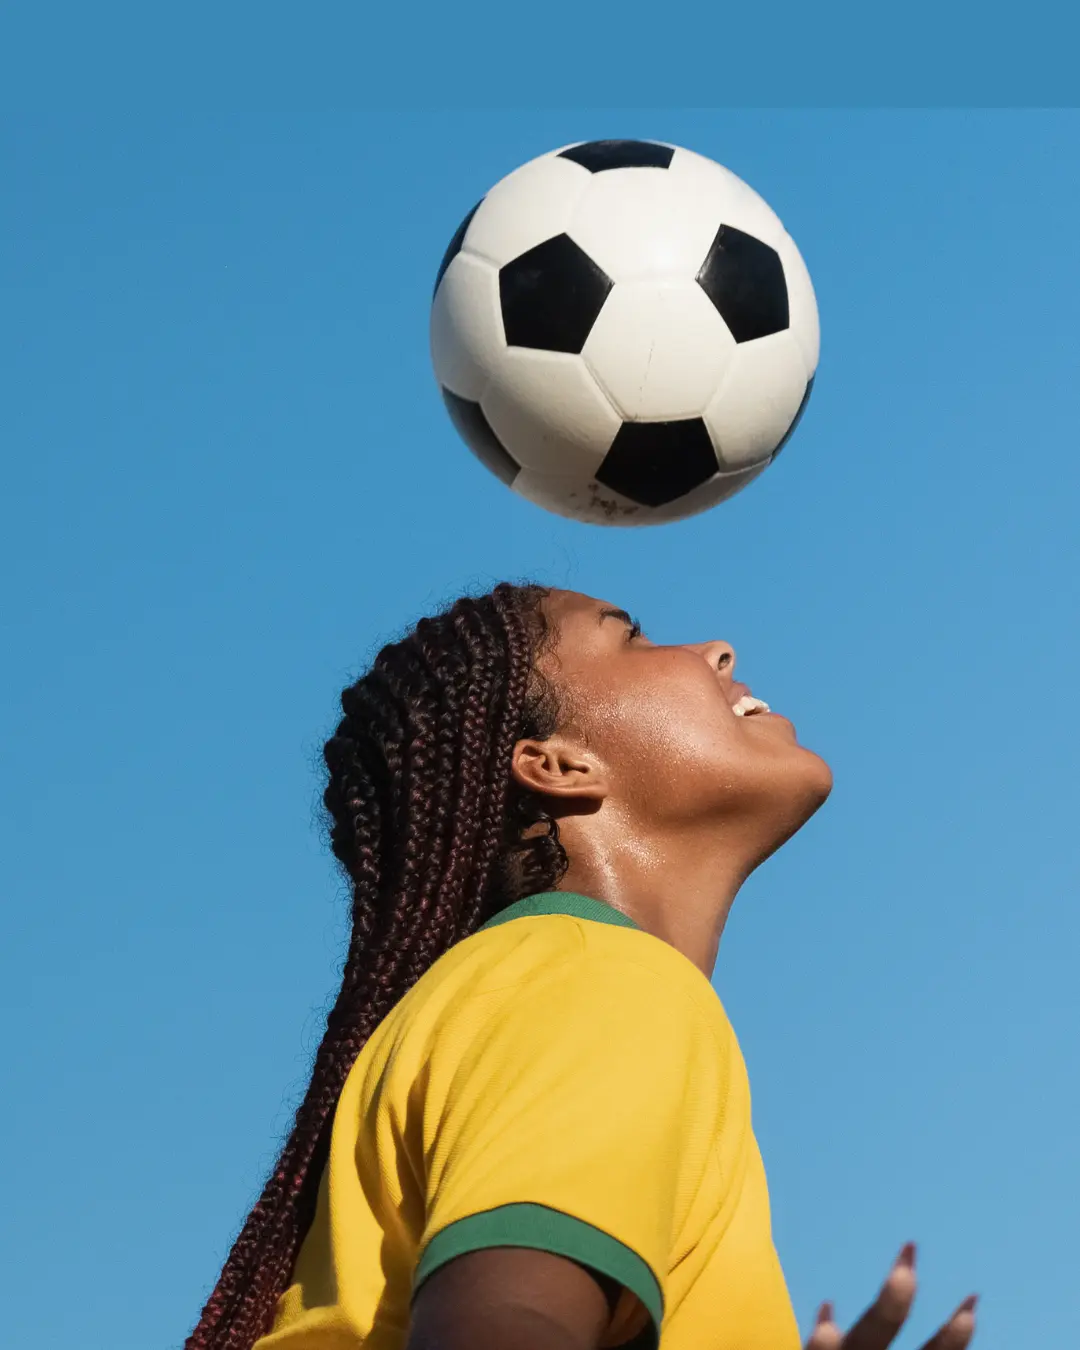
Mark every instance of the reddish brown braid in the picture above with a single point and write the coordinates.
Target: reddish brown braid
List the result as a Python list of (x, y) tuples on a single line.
[(434, 836)]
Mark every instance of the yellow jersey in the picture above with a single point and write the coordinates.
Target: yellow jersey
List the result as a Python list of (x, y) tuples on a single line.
[(560, 1080)]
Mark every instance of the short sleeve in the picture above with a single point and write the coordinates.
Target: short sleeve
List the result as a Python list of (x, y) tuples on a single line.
[(579, 1117)]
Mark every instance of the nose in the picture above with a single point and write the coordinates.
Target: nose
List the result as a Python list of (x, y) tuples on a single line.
[(719, 655)]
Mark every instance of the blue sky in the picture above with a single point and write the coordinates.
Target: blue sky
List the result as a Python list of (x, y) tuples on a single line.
[(229, 477)]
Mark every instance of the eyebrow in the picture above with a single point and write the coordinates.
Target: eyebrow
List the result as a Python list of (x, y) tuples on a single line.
[(619, 614)]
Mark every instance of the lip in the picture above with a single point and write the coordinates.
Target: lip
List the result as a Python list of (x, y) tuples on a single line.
[(775, 717), (737, 691)]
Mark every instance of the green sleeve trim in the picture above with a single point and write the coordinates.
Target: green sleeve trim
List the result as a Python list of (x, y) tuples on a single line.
[(546, 1230)]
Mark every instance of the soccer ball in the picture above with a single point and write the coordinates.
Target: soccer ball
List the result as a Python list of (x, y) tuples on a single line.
[(623, 332)]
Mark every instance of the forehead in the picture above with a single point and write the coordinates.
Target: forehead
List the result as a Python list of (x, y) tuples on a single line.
[(572, 609), (578, 630)]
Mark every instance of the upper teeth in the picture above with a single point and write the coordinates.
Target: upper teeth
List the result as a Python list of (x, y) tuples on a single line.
[(748, 705)]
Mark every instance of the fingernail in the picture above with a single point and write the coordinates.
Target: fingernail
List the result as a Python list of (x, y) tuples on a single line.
[(907, 1255), (824, 1313), (968, 1305)]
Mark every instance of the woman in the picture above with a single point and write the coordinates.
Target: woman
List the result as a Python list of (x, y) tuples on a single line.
[(528, 1124)]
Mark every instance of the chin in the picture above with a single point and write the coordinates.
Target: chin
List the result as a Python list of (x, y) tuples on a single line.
[(817, 779), (807, 782)]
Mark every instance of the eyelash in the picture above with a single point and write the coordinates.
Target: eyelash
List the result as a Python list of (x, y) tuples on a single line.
[(634, 631)]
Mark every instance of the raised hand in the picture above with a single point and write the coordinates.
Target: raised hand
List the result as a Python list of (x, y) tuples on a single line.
[(877, 1327)]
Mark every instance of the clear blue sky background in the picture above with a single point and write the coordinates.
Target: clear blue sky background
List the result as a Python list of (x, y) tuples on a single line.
[(229, 477)]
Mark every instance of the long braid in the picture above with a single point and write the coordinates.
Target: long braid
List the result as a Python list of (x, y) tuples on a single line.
[(434, 836)]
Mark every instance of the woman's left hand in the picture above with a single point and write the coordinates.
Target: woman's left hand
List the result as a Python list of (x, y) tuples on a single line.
[(877, 1328)]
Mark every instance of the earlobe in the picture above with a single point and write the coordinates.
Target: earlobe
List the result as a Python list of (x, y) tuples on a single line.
[(555, 768)]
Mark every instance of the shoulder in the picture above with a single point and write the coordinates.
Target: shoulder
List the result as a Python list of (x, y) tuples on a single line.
[(615, 963), (549, 981)]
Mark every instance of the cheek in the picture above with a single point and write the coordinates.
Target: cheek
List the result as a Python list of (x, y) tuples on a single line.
[(667, 725)]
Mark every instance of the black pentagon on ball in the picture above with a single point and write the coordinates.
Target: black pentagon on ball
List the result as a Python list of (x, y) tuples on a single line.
[(744, 278), (654, 463), (454, 246), (477, 433), (795, 420), (596, 156), (551, 296)]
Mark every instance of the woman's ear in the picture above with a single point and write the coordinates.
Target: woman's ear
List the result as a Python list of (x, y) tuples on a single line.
[(558, 768)]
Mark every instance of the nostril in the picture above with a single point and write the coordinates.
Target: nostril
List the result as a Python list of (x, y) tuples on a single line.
[(723, 661)]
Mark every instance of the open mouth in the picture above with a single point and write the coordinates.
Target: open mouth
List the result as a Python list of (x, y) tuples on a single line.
[(748, 706)]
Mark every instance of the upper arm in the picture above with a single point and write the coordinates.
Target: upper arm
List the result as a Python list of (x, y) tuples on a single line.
[(512, 1296)]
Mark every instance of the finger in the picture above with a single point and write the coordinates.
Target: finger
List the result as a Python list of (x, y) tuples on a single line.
[(826, 1335), (877, 1327), (958, 1330)]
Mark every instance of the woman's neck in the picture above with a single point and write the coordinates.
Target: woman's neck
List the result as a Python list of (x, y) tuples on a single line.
[(680, 890)]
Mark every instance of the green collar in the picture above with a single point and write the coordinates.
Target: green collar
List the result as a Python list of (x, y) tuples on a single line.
[(561, 902)]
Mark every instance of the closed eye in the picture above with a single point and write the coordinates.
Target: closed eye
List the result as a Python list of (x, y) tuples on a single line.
[(633, 628)]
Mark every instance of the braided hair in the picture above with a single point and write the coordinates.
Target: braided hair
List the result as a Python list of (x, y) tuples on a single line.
[(435, 837)]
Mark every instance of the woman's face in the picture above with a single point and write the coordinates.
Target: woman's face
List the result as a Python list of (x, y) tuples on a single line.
[(677, 736)]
